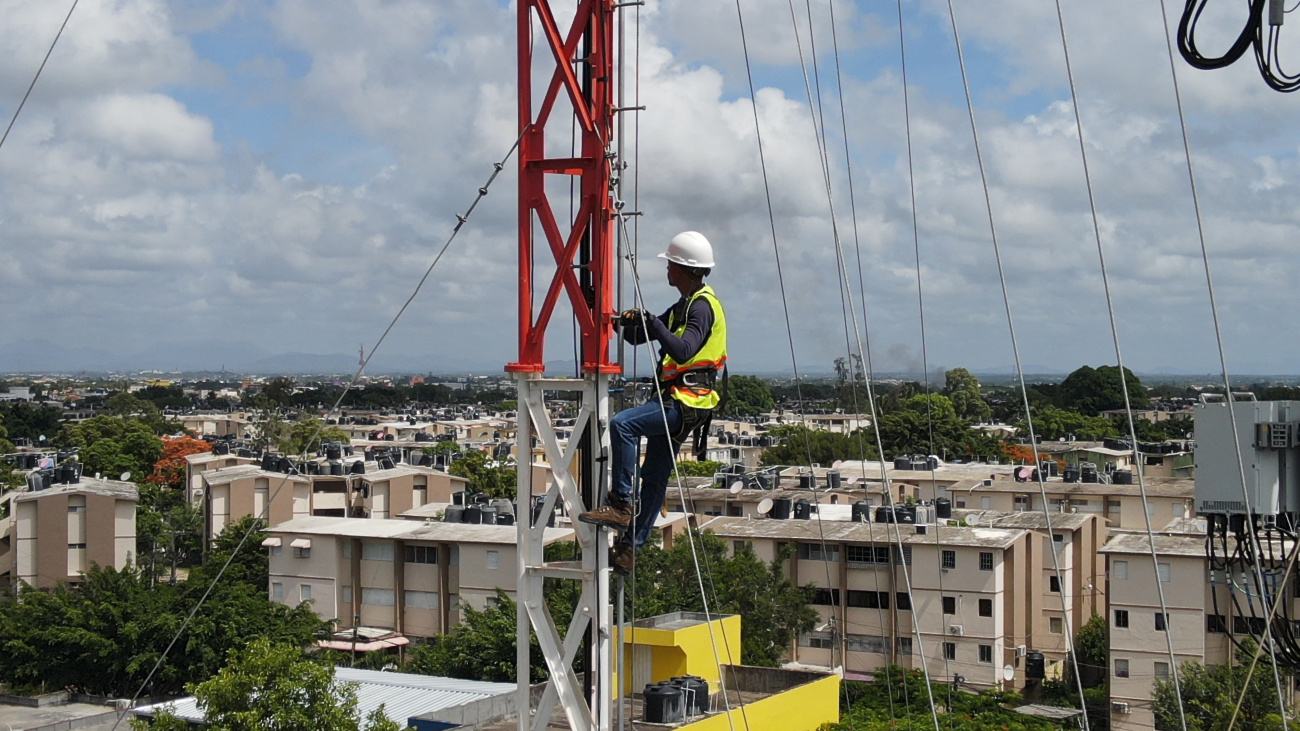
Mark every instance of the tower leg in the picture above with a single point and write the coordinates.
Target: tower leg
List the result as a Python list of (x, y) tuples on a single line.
[(563, 689)]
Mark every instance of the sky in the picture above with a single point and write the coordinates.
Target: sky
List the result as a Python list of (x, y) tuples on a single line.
[(261, 183)]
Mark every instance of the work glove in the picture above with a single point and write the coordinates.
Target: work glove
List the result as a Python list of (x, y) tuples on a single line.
[(634, 318)]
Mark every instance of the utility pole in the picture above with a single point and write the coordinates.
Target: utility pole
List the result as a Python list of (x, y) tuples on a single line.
[(573, 69)]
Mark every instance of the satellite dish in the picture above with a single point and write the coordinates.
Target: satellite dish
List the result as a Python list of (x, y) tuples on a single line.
[(1008, 673), (125, 476), (764, 506), (736, 487), (836, 464)]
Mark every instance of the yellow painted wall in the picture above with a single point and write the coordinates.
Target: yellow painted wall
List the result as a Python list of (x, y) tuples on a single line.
[(804, 708), (688, 651)]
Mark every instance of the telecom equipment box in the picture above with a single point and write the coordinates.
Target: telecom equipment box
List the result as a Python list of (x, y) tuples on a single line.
[(1267, 432)]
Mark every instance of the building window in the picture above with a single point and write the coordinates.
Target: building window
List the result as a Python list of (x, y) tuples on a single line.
[(906, 557), (986, 561), (277, 591), (1055, 625), (819, 552), (949, 560), (1162, 621), (304, 592), (1216, 623), (422, 554), (377, 597), (904, 601), (1059, 537), (1121, 668), (372, 551), (950, 650), (986, 654), (866, 643), (421, 599), (826, 597), (1121, 618), (868, 599), (301, 552), (986, 607), (950, 605), (739, 546), (277, 550), (1054, 584), (1119, 570), (866, 554), (347, 595), (1162, 671), (905, 646), (1163, 570), (494, 559), (816, 640)]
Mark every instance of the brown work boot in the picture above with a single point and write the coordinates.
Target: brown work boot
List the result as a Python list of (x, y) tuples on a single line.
[(612, 515), (622, 557)]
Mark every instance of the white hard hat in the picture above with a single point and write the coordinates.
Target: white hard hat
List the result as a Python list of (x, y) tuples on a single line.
[(690, 249)]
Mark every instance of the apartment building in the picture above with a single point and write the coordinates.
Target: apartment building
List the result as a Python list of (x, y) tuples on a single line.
[(1139, 645), (401, 575), (231, 493), (1073, 573), (1169, 498), (197, 464), (55, 535), (974, 606), (223, 425)]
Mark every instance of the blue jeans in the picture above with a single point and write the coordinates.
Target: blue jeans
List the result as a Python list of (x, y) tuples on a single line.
[(653, 421)]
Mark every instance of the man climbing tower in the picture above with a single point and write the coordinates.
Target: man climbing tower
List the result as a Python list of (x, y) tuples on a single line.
[(692, 338)]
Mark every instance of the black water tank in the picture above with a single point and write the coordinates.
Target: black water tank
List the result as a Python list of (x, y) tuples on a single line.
[(284, 464), (268, 462), (905, 513), (696, 690), (807, 481), (505, 519), (664, 704), (387, 463), (885, 514), (902, 463), (802, 510), (473, 514), (1035, 665), (358, 468), (458, 498), (1071, 474), (861, 512), (453, 514), (1088, 472), (67, 473), (1122, 477), (333, 450), (942, 508), (488, 514), (780, 508), (221, 448), (833, 479), (336, 469), (1049, 467), (481, 498)]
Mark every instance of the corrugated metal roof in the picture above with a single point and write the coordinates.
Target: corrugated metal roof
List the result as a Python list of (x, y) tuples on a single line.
[(403, 695)]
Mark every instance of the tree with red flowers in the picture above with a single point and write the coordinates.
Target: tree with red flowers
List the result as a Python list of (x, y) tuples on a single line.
[(170, 470)]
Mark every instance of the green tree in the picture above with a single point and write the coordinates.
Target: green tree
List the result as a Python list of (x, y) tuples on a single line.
[(963, 390), (896, 700), (748, 396), (1090, 391), (28, 421), (267, 685), (773, 610), (111, 445), (302, 437), (1053, 423), (497, 480), (799, 445), (1210, 694), (481, 647), (692, 468)]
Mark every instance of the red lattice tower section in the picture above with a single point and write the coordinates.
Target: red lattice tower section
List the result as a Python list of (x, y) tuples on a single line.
[(580, 64)]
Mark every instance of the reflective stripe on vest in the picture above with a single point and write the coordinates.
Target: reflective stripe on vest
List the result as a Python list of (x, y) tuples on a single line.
[(711, 356)]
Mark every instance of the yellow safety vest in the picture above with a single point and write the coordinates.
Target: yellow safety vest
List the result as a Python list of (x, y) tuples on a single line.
[(711, 356)]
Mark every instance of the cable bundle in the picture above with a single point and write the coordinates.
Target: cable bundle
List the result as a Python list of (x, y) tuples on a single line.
[(1253, 35)]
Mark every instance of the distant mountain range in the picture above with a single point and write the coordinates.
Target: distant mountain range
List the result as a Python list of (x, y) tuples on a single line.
[(44, 356)]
